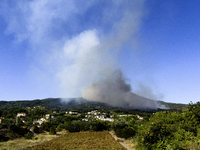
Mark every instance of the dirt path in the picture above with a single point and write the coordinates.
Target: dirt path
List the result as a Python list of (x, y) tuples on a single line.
[(121, 142)]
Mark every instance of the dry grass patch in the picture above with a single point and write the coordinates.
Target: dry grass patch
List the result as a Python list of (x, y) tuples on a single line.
[(22, 143), (80, 141)]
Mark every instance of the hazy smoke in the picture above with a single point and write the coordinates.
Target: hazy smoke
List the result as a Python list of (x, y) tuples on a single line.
[(146, 91), (81, 46), (91, 68), (114, 90)]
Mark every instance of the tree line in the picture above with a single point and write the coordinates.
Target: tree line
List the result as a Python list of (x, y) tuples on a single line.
[(157, 130)]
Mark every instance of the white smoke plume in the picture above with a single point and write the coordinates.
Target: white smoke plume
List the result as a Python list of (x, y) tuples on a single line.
[(81, 54), (114, 90), (92, 64)]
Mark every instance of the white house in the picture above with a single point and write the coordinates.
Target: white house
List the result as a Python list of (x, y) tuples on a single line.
[(53, 118), (47, 116), (21, 114), (85, 119), (139, 117), (100, 117), (123, 115), (107, 119), (73, 112), (41, 120)]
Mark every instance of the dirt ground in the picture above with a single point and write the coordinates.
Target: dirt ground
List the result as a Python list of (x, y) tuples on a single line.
[(126, 143)]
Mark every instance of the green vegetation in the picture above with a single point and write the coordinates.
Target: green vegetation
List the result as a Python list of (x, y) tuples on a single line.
[(173, 106), (171, 130), (56, 104), (52, 131), (175, 129), (28, 135), (80, 141), (78, 104)]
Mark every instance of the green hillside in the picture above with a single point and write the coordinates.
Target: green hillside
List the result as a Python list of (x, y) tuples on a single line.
[(56, 104), (173, 106), (74, 104)]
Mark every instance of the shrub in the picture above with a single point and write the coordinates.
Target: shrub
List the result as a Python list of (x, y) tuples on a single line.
[(52, 131), (60, 127), (28, 135), (100, 125), (85, 126), (12, 135), (118, 132), (128, 132), (46, 126), (119, 124)]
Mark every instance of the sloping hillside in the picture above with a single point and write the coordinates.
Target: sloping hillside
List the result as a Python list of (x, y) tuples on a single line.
[(173, 106), (73, 104)]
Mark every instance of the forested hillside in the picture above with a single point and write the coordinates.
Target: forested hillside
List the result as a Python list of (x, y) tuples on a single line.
[(72, 104), (55, 104)]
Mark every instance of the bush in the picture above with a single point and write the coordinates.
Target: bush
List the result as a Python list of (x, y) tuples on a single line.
[(28, 135), (46, 126), (12, 135), (71, 126), (35, 129), (118, 132), (85, 126), (126, 132), (60, 127), (100, 125), (18, 130), (119, 124), (52, 131)]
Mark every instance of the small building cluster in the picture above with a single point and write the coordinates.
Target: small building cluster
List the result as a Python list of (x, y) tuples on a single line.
[(91, 115), (96, 115)]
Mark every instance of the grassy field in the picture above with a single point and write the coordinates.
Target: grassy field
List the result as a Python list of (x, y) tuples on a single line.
[(81, 141), (22, 143)]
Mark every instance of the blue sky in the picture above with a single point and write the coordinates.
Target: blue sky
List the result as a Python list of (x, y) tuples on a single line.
[(55, 49)]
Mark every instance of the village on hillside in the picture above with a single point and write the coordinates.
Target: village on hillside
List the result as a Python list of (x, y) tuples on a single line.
[(144, 126), (88, 116)]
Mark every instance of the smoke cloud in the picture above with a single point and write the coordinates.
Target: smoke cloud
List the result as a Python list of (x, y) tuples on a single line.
[(146, 91), (114, 90), (92, 70), (78, 46)]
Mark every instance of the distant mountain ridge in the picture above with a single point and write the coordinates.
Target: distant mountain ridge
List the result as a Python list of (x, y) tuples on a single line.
[(174, 106), (73, 104)]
